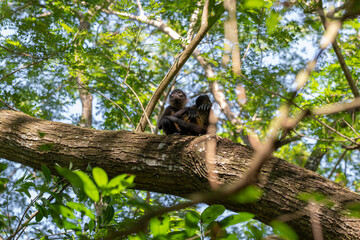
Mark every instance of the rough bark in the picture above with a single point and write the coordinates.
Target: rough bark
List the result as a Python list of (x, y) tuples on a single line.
[(85, 96), (86, 102), (175, 165)]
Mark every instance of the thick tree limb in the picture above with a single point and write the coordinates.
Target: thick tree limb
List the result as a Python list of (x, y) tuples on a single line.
[(176, 165)]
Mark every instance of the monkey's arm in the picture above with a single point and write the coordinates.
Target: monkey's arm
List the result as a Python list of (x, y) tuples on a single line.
[(189, 112), (192, 128), (168, 111), (166, 124)]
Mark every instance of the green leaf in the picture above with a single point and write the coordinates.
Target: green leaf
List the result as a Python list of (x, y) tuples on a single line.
[(211, 213), (14, 43), (81, 208), (67, 27), (159, 225), (39, 215), (3, 167), (91, 225), (254, 4), (109, 214), (283, 230), (248, 195), (42, 210), (100, 176), (71, 177), (230, 237), (272, 22), (3, 184), (235, 219), (115, 186), (119, 183), (89, 186), (177, 235), (191, 222), (139, 236), (70, 225), (47, 174), (63, 210)]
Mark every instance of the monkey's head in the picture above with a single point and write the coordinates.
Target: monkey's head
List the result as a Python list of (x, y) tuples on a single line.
[(178, 99)]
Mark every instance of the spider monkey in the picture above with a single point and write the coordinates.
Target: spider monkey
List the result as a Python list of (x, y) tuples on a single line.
[(177, 100), (193, 120)]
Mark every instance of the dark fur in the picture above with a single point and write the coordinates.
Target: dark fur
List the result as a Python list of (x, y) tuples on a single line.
[(193, 120), (177, 101)]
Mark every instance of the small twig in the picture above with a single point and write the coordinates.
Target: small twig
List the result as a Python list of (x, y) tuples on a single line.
[(317, 139), (117, 105), (20, 8), (247, 49), (21, 228), (265, 89), (197, 237), (287, 141), (337, 163), (24, 54), (55, 234), (7, 105), (142, 107), (137, 97), (26, 66), (340, 57), (332, 129), (351, 127), (119, 64)]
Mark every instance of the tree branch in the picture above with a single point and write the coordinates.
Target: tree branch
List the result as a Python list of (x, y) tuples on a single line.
[(176, 165), (340, 57)]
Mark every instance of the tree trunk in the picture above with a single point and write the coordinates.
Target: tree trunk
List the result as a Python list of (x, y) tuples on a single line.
[(175, 165), (86, 103)]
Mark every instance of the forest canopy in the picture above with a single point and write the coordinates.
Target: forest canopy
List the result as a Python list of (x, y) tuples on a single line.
[(80, 81)]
